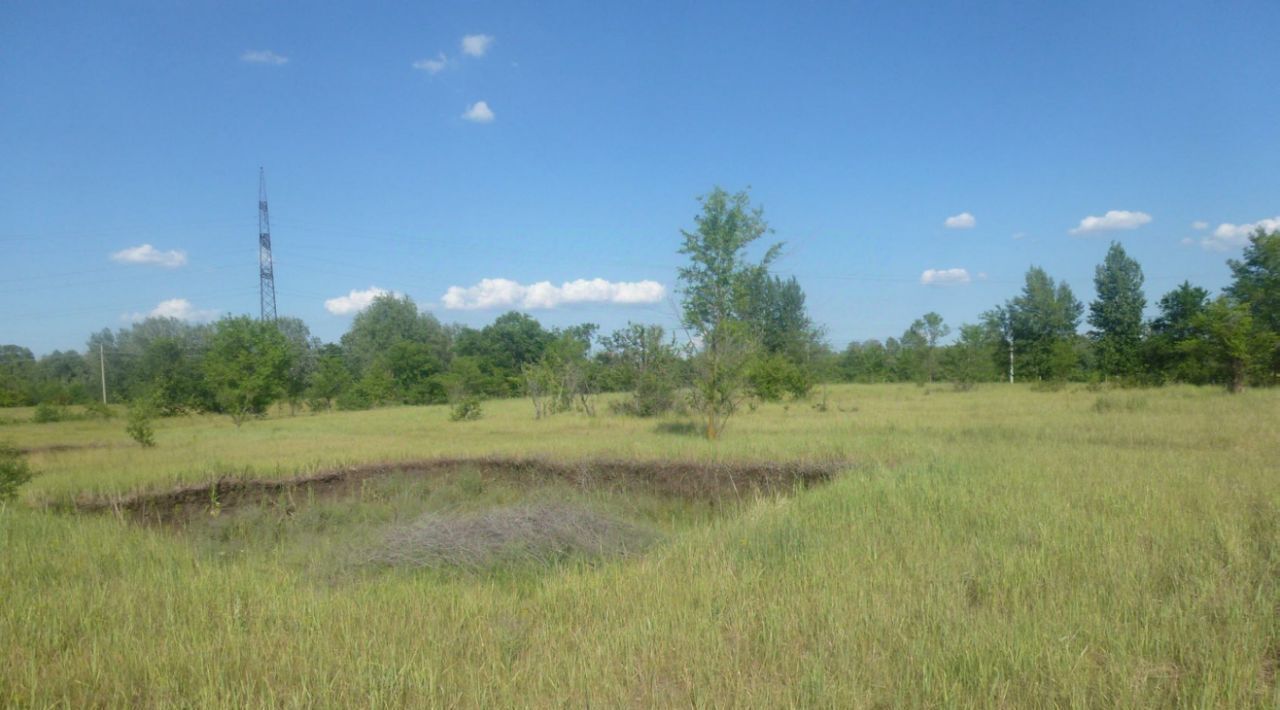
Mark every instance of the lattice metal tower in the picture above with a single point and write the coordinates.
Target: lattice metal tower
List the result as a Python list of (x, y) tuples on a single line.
[(266, 273)]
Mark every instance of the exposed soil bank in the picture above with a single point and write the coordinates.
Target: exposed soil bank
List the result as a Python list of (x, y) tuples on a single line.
[(59, 448), (701, 481)]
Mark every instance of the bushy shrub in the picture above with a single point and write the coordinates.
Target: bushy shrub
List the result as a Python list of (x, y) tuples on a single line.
[(139, 427), (466, 409), (14, 472), (98, 410), (47, 414), (654, 395)]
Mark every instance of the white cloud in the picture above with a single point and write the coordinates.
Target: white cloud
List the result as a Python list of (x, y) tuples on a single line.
[(179, 308), (432, 66), (1113, 219), (1019, 235), (147, 254), (505, 293), (479, 112), (355, 301), (964, 220), (1187, 241), (263, 56), (945, 277), (1233, 236), (1200, 225), (476, 45)]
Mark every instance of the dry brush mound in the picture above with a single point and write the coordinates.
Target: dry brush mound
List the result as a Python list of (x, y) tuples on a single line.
[(539, 534)]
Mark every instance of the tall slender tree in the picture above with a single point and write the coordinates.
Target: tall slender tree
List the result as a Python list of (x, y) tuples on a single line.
[(715, 288), (1116, 314)]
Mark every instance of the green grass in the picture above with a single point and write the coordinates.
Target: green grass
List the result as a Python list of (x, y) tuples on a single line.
[(996, 547)]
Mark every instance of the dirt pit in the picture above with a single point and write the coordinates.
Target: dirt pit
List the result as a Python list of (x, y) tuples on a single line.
[(485, 516), (707, 482)]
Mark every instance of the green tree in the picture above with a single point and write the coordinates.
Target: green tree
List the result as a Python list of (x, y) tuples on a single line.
[(503, 348), (715, 286), (642, 359), (1166, 357), (168, 375), (920, 347), (389, 371), (1116, 314), (865, 362), (1256, 284), (17, 372), (999, 323), (246, 366), (302, 359), (1042, 321), (62, 377), (329, 379), (775, 308), (971, 359), (1230, 340), (789, 342)]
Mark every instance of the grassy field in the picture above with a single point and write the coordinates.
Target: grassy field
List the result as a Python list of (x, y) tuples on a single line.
[(1000, 547)]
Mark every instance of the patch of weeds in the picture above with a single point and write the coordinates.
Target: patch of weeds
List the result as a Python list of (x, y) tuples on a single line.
[(47, 414), (1118, 403)]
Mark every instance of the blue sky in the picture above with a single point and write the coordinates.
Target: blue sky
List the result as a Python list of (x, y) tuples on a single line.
[(861, 128)]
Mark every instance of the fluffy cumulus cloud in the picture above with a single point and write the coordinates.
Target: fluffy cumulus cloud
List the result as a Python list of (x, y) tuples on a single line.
[(355, 301), (432, 66), (1234, 236), (147, 254), (476, 45), (479, 112), (179, 308), (1199, 225), (945, 277), (964, 220), (1113, 219), (505, 293), (263, 56)]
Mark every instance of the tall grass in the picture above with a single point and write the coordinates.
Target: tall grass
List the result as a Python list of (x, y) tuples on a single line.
[(996, 547)]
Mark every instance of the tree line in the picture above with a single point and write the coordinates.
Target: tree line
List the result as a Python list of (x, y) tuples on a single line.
[(1232, 339), (746, 333)]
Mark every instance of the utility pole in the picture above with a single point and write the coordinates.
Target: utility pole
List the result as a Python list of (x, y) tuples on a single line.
[(266, 271), (102, 368)]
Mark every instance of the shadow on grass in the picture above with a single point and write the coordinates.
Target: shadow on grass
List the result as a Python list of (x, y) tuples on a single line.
[(678, 428)]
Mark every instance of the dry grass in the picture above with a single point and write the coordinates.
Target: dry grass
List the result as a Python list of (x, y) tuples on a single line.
[(1001, 547)]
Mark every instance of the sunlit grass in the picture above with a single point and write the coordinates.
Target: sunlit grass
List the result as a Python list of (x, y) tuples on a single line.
[(997, 547)]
